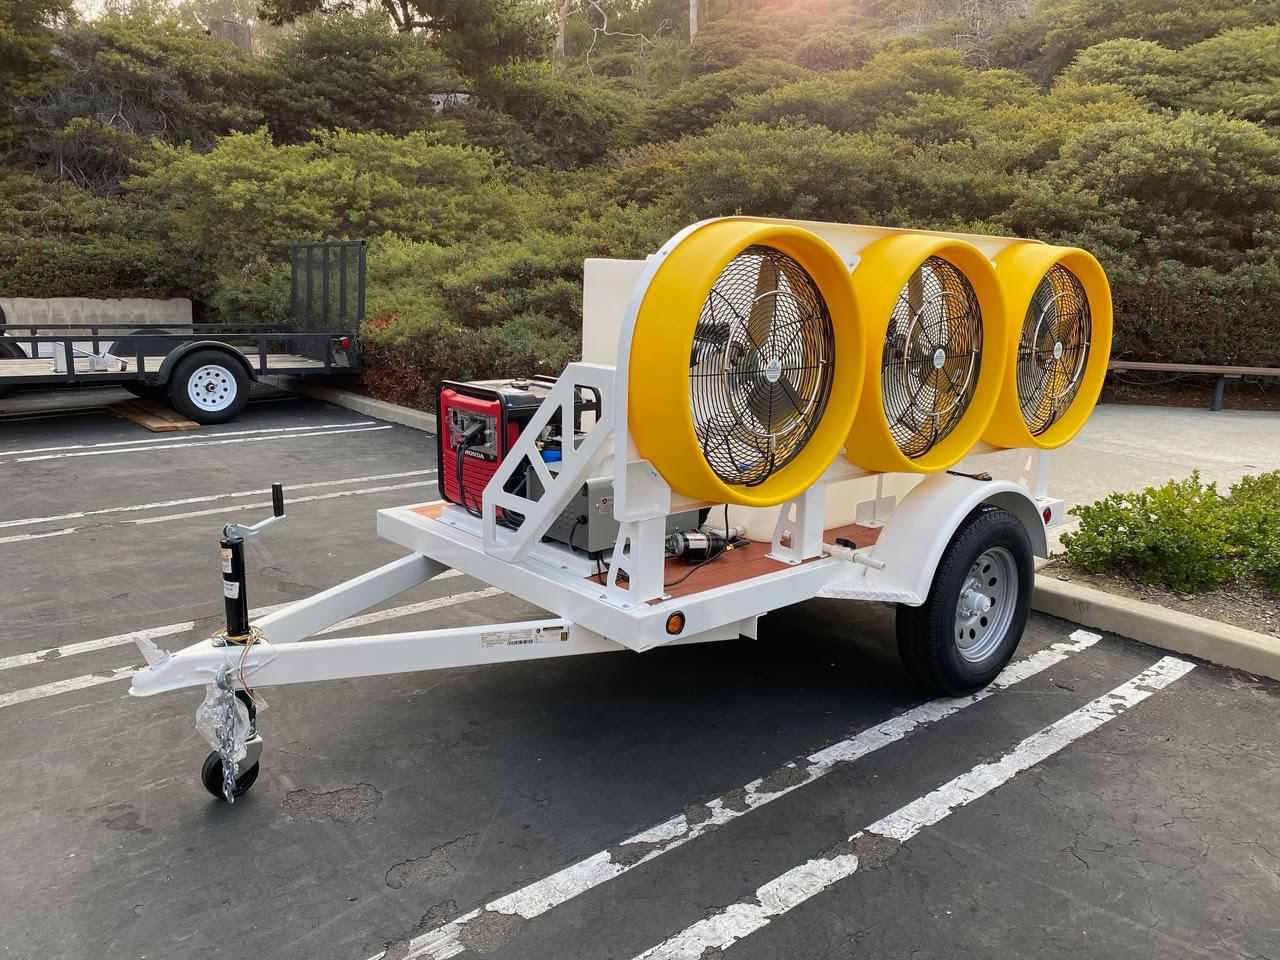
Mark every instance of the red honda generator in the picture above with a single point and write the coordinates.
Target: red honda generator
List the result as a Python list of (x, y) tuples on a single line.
[(478, 424)]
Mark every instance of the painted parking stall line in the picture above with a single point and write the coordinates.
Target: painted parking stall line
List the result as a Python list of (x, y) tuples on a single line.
[(881, 839), (275, 438), (186, 626), (267, 503), (70, 684), (564, 885), (14, 697), (148, 440), (24, 537), (211, 498)]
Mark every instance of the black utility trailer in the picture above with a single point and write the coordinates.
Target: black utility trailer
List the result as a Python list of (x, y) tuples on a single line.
[(205, 370)]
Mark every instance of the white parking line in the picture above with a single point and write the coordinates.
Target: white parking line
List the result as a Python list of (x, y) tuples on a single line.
[(122, 673), (65, 686), (19, 538), (170, 629), (540, 896), (162, 504), (203, 443), (267, 503), (410, 609), (220, 434), (785, 892)]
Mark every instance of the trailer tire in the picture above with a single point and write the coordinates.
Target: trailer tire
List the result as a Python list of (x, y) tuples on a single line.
[(211, 777), (209, 386), (973, 618)]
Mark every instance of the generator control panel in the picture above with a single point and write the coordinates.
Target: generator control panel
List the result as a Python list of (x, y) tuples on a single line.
[(483, 443)]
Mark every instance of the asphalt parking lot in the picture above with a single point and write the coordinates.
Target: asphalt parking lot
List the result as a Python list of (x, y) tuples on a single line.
[(788, 797)]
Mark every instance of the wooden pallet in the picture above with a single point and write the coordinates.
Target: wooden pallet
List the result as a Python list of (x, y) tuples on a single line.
[(156, 417)]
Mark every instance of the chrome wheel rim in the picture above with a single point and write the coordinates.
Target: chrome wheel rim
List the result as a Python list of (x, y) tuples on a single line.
[(212, 388), (986, 604)]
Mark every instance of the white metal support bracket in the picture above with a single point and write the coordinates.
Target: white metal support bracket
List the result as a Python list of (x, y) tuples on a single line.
[(559, 488), (638, 562), (797, 536)]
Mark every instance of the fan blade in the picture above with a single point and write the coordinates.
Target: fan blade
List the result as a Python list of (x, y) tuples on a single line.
[(760, 322), (793, 399)]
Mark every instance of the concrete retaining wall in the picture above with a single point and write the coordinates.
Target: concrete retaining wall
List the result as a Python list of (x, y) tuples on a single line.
[(133, 311)]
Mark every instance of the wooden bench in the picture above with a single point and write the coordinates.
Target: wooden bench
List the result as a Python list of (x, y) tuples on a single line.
[(1221, 373)]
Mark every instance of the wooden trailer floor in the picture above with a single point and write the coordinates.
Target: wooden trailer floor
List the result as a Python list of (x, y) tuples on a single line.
[(44, 367)]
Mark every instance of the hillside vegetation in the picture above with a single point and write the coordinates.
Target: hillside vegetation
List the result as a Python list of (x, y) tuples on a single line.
[(144, 158)]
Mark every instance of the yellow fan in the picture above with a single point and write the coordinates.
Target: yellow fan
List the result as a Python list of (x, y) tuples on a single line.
[(746, 362)]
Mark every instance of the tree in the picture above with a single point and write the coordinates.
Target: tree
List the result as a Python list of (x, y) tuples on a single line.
[(129, 79), (1141, 67), (1069, 26), (353, 73), (1236, 72), (28, 66), (539, 116), (475, 34)]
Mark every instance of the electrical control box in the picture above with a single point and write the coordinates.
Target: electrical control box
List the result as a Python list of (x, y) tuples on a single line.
[(587, 524)]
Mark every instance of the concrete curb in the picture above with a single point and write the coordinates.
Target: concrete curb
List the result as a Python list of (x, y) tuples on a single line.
[(392, 413), (1210, 640)]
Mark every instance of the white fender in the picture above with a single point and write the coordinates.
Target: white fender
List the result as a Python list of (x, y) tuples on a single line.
[(918, 531)]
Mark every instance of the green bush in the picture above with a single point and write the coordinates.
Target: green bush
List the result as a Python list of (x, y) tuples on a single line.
[(569, 120), (61, 240), (692, 107), (353, 73), (235, 209), (1183, 535)]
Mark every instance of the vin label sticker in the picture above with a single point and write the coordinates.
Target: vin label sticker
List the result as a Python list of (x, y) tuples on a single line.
[(519, 638)]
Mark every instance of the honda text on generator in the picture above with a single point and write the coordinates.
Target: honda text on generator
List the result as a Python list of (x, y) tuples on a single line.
[(766, 411)]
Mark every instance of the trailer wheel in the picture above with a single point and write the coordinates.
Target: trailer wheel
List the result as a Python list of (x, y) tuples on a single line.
[(211, 777), (970, 625), (209, 387)]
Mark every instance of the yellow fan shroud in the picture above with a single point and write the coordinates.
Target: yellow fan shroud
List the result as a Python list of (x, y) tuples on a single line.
[(938, 336), (1058, 358), (746, 362)]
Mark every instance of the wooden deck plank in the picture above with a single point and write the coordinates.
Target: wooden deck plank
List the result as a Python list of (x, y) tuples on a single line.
[(156, 417), (43, 367)]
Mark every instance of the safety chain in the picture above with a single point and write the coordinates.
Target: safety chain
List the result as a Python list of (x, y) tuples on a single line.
[(226, 733)]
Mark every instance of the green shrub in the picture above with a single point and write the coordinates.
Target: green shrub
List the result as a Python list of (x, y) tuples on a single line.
[(1183, 535), (353, 73), (696, 105), (570, 120), (1256, 518), (832, 50), (61, 240)]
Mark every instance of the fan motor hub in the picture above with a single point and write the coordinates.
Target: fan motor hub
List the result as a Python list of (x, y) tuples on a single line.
[(773, 370), (939, 358), (1057, 350)]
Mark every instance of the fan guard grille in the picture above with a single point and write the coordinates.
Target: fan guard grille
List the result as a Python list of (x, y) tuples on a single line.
[(761, 365), (932, 356), (1053, 349)]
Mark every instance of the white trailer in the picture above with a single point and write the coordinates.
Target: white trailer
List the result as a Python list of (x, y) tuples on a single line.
[(954, 551)]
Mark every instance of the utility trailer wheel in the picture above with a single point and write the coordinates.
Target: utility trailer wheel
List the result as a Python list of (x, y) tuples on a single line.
[(971, 623), (211, 777), (209, 387)]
